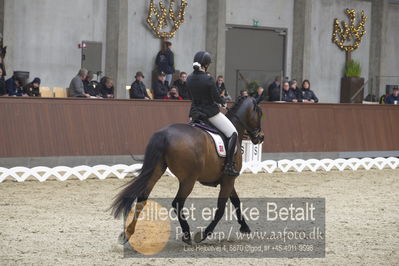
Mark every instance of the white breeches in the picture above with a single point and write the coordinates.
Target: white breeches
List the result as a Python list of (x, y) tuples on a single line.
[(221, 122)]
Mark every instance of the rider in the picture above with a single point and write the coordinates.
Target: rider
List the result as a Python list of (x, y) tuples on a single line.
[(205, 96)]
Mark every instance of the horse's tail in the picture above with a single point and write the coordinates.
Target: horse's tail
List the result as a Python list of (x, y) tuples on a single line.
[(138, 187)]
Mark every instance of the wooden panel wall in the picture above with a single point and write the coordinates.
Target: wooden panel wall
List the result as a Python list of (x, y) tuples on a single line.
[(68, 127)]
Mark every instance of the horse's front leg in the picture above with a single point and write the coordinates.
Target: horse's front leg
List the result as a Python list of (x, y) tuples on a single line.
[(237, 204), (226, 188)]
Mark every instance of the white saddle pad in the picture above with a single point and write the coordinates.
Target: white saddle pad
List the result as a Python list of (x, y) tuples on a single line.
[(220, 148)]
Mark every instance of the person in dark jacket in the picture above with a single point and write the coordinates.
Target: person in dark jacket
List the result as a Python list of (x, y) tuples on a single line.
[(394, 97), (274, 90), (308, 96), (288, 95), (205, 97), (3, 90), (165, 61), (107, 88), (33, 89), (161, 86), (14, 86), (91, 86), (138, 89), (181, 85), (220, 84), (294, 87)]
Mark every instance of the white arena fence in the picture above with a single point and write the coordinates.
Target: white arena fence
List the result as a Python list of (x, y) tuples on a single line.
[(120, 171)]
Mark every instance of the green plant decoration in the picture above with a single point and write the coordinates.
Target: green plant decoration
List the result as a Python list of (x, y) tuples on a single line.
[(252, 87), (353, 69)]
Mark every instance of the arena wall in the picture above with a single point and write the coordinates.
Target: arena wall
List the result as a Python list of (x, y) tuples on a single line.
[(144, 46), (79, 127), (390, 61), (327, 61), (43, 36)]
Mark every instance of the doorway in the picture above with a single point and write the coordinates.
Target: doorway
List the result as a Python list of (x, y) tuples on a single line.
[(253, 54), (92, 56)]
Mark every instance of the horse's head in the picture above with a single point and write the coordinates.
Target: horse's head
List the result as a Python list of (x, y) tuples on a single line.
[(249, 115)]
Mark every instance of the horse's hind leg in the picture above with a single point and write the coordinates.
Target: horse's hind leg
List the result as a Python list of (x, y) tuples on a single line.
[(185, 188), (225, 191), (237, 204), (141, 202)]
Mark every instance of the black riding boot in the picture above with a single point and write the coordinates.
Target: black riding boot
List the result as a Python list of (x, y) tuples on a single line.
[(229, 166)]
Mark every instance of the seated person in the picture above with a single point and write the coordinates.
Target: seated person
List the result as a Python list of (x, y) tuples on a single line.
[(76, 87), (90, 86), (33, 89), (106, 88), (223, 94), (173, 94), (181, 86), (14, 87), (308, 96), (394, 97), (138, 89), (259, 96), (296, 90), (3, 90), (243, 93), (274, 90), (161, 86), (288, 95)]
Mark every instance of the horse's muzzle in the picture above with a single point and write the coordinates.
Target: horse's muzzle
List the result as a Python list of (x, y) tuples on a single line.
[(258, 138)]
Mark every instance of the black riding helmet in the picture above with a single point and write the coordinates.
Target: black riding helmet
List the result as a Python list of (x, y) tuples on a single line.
[(202, 58)]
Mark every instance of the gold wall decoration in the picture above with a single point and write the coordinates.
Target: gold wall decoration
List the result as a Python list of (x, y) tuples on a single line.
[(165, 22), (349, 36)]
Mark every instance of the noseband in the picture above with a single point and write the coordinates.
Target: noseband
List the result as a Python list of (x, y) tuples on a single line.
[(253, 133)]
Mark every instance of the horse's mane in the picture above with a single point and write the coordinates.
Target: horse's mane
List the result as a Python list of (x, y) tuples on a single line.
[(238, 104)]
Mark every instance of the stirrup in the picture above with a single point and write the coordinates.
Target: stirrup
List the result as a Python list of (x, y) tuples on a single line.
[(230, 171)]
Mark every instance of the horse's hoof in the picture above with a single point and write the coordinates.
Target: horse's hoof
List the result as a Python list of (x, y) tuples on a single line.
[(186, 239), (199, 237), (245, 229), (122, 239)]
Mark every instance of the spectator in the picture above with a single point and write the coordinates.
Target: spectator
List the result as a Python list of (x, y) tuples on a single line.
[(288, 93), (274, 90), (33, 89), (161, 86), (106, 88), (243, 93), (296, 90), (11, 86), (394, 97), (14, 87), (138, 89), (173, 94), (90, 86), (259, 96), (220, 84), (165, 61), (3, 90), (308, 96), (182, 87), (76, 87), (223, 94)]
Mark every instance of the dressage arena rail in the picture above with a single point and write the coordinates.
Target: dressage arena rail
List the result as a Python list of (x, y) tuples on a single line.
[(120, 171), (40, 127)]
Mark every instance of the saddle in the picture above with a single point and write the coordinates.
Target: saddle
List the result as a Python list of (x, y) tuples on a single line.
[(220, 140)]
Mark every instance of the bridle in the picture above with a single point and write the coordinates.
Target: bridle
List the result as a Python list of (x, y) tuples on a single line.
[(253, 133)]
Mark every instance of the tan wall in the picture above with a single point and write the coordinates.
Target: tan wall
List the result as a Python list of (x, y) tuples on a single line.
[(68, 127)]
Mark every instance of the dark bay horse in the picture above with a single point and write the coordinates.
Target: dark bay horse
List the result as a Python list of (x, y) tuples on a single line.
[(190, 154)]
